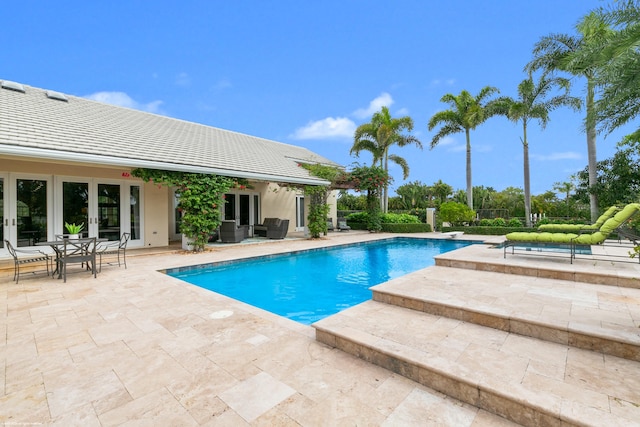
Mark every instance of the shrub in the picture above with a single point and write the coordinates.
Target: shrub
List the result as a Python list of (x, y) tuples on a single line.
[(486, 222), (394, 218), (456, 213), (359, 217), (499, 222), (514, 222)]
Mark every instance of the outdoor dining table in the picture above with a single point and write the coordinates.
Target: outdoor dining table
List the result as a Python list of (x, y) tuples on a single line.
[(58, 248)]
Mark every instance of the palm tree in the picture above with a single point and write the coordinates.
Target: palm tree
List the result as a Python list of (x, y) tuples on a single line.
[(562, 52), (565, 188), (619, 68), (378, 137), (466, 113), (532, 105)]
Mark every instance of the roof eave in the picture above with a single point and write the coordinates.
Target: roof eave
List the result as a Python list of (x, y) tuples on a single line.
[(43, 153)]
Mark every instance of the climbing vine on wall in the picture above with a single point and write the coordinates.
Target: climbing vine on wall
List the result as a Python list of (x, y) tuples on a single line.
[(201, 199)]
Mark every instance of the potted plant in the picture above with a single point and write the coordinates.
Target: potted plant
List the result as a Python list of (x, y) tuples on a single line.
[(74, 230)]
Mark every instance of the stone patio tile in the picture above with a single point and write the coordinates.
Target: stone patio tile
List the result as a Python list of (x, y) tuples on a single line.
[(255, 396), (154, 409)]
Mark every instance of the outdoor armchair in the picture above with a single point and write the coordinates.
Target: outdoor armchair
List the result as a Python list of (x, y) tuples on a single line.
[(278, 231), (114, 247), (78, 251), (231, 233), (25, 256), (261, 229)]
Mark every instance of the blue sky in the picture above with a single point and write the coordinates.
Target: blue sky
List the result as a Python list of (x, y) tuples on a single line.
[(308, 73)]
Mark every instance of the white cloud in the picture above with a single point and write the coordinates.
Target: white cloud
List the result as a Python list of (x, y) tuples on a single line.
[(481, 148), (330, 127), (447, 140), (568, 155), (445, 82), (121, 99), (183, 79), (222, 84), (384, 100)]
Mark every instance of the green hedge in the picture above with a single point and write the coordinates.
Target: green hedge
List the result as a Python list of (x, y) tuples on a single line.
[(406, 228)]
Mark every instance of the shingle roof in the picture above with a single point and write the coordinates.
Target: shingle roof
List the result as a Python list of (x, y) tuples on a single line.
[(33, 124)]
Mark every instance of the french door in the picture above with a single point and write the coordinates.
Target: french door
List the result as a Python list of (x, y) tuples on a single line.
[(25, 209), (34, 208), (107, 209), (243, 207)]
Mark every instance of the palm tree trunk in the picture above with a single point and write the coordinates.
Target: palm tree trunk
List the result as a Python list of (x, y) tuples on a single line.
[(385, 190), (591, 148), (469, 185), (527, 176)]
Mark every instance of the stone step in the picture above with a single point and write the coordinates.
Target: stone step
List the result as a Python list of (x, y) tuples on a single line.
[(523, 379), (588, 316), (614, 267)]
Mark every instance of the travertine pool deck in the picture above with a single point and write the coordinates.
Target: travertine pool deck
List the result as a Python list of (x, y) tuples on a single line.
[(136, 347)]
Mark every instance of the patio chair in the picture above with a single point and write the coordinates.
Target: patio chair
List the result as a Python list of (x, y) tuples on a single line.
[(278, 231), (25, 256), (261, 229), (580, 228), (78, 251), (543, 241), (231, 233), (626, 232), (342, 225), (330, 226), (114, 247)]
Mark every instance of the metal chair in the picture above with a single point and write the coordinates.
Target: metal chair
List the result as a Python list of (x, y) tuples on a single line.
[(78, 251), (25, 256), (116, 247)]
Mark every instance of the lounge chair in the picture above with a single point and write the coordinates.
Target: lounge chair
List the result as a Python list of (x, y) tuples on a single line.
[(231, 233), (543, 241), (25, 256), (342, 225), (580, 228)]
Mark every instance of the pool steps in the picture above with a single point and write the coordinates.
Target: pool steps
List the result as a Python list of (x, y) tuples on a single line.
[(511, 345)]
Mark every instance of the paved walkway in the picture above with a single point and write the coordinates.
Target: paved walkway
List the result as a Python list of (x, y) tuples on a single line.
[(136, 347)]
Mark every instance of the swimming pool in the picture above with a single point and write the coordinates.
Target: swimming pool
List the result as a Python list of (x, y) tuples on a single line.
[(307, 286)]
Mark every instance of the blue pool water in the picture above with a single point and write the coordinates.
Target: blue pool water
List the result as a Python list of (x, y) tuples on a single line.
[(309, 285)]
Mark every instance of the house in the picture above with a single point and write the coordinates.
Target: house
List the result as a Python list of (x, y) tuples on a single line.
[(68, 159)]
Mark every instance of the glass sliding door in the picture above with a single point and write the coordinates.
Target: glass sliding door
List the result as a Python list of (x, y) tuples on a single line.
[(31, 211), (300, 214), (75, 205), (4, 216), (134, 211), (230, 206), (245, 212), (109, 220)]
